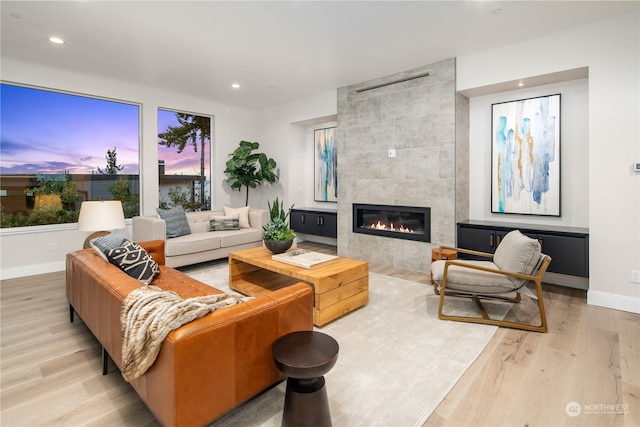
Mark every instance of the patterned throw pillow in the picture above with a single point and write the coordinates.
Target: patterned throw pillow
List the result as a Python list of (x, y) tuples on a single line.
[(101, 245), (243, 212), (134, 261), (217, 223), (176, 221)]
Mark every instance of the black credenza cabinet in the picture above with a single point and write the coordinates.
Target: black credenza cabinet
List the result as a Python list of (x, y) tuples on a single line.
[(319, 222), (568, 247)]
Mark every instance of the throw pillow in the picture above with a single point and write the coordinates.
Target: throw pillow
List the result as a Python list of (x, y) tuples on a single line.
[(134, 261), (518, 253), (101, 245), (176, 221), (217, 223), (243, 212)]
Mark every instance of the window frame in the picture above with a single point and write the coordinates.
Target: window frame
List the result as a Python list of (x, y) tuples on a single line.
[(211, 118), (73, 225)]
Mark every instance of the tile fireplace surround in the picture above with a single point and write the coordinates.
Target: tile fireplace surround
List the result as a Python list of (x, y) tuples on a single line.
[(427, 123)]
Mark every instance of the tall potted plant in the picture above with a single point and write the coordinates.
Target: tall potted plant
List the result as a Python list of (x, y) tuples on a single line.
[(248, 169), (277, 235)]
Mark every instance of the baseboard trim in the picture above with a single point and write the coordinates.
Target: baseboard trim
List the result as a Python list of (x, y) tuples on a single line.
[(565, 280), (31, 270), (616, 302)]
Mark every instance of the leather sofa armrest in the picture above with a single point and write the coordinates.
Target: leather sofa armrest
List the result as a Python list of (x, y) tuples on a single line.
[(155, 248), (147, 228)]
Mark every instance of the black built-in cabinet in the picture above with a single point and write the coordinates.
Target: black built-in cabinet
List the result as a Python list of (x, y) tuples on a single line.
[(568, 247), (316, 221)]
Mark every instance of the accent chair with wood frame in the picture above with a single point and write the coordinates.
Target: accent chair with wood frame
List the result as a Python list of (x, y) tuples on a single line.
[(504, 276)]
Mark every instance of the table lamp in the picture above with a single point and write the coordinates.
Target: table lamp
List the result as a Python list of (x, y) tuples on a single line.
[(100, 217)]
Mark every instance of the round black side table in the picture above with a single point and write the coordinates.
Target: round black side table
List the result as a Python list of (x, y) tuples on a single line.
[(304, 357)]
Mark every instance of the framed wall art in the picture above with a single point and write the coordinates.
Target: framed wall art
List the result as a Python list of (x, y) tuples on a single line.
[(325, 165), (525, 156)]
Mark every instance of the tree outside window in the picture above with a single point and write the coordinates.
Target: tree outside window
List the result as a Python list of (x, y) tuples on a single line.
[(184, 160)]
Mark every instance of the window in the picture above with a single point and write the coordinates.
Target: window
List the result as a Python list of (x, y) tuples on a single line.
[(59, 149), (184, 160)]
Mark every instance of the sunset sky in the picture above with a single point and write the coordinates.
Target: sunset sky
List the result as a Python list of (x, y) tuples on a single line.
[(50, 132), (186, 163)]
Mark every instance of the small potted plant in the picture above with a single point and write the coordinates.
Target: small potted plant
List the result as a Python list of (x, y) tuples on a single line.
[(277, 235)]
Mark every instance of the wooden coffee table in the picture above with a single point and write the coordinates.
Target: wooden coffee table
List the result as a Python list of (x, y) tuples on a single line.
[(339, 286)]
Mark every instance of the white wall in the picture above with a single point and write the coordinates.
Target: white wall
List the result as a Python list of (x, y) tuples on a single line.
[(611, 51), (287, 133), (28, 253), (574, 154), (302, 163)]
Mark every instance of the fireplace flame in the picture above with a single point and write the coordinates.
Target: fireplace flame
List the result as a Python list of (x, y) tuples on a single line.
[(382, 226)]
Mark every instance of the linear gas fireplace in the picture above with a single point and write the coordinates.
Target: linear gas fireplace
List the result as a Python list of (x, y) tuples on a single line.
[(400, 222)]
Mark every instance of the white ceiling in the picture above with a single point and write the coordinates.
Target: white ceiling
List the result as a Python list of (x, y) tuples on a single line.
[(277, 51)]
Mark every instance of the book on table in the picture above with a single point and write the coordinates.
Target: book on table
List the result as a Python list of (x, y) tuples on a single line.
[(303, 258)]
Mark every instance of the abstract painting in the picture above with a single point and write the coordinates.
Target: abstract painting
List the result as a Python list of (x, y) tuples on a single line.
[(326, 165), (525, 156)]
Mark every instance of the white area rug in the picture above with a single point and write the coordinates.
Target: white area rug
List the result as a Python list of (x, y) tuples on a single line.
[(397, 360)]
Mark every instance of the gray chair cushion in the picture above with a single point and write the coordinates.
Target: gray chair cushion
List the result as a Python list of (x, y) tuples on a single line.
[(471, 280), (517, 253)]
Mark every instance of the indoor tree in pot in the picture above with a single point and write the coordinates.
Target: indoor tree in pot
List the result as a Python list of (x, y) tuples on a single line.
[(277, 235), (248, 169)]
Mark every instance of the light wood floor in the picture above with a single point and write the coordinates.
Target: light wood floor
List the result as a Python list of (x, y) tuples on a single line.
[(51, 369)]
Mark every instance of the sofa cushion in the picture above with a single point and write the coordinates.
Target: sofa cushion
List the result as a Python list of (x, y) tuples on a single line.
[(199, 221), (176, 221), (243, 212), (230, 238), (102, 245), (134, 261), (218, 223), (192, 243)]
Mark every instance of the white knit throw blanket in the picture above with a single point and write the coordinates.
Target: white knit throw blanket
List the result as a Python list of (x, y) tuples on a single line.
[(147, 316)]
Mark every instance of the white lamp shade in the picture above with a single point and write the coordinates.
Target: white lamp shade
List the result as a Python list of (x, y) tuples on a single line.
[(101, 216)]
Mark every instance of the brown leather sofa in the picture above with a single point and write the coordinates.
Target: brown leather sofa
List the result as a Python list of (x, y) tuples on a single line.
[(206, 367)]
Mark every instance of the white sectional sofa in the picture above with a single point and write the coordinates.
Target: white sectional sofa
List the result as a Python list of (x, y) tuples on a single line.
[(201, 244)]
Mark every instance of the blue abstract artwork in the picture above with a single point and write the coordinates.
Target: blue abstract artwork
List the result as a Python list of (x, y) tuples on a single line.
[(525, 156), (326, 165)]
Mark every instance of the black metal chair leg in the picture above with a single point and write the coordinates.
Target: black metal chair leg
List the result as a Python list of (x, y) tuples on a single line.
[(105, 361)]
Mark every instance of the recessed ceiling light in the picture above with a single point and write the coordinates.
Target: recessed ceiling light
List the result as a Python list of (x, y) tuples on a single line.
[(520, 84), (235, 85), (56, 40)]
